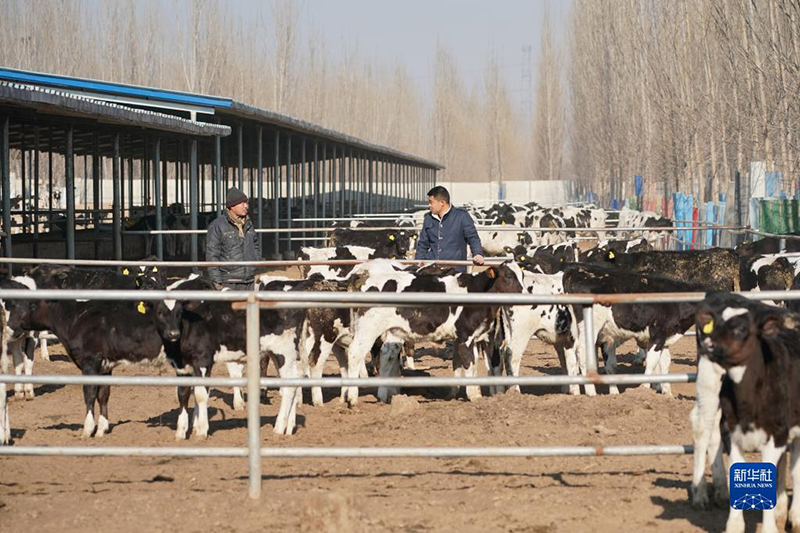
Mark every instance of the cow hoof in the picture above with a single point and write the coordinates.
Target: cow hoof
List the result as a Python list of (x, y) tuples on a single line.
[(698, 496), (452, 393), (19, 395), (474, 393), (29, 394), (720, 496), (239, 406), (735, 523), (102, 427), (385, 393)]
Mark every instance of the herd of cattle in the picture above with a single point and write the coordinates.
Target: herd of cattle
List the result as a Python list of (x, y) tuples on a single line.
[(747, 368)]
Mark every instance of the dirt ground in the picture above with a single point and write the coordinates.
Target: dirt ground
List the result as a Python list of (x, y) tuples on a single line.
[(603, 494)]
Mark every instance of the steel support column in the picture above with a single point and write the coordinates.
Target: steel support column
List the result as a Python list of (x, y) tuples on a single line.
[(5, 170), (96, 193), (218, 174), (289, 189), (70, 184), (116, 203), (158, 200), (276, 187), (36, 191), (303, 176), (240, 151), (260, 186), (193, 242)]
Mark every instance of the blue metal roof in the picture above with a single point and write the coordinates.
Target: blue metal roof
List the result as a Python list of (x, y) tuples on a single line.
[(52, 80)]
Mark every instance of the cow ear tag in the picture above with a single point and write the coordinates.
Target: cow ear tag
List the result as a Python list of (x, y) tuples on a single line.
[(141, 308), (522, 258), (611, 255), (125, 272), (155, 269), (391, 237), (503, 223), (709, 327), (490, 273)]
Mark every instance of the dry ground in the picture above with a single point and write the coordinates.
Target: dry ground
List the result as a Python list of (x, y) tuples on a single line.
[(601, 494)]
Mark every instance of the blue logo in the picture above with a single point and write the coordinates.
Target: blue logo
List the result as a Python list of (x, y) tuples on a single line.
[(753, 486)]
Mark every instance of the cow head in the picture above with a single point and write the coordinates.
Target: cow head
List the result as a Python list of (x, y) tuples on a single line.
[(50, 276), (507, 277), (731, 334), (524, 238)]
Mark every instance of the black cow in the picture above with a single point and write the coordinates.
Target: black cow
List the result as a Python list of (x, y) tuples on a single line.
[(717, 267), (756, 346), (617, 246), (388, 244), (769, 245), (134, 336)]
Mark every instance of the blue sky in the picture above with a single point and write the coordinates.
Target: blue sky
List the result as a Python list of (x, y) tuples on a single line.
[(407, 31)]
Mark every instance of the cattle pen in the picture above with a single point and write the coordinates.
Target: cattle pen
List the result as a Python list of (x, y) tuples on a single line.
[(251, 302)]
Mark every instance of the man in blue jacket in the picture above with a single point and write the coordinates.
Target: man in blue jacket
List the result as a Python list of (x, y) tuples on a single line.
[(446, 232)]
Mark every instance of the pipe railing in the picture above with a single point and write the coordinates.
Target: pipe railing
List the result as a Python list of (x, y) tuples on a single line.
[(274, 299)]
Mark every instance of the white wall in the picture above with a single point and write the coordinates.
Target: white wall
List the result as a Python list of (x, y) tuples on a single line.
[(518, 192)]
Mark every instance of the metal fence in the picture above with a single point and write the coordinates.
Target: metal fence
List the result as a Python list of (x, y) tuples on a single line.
[(252, 302)]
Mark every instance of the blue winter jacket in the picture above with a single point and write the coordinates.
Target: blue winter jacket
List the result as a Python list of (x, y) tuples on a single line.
[(447, 239)]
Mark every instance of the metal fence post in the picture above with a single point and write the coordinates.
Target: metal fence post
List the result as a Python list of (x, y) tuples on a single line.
[(591, 354), (253, 397)]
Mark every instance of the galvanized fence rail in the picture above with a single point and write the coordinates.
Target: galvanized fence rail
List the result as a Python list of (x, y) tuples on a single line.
[(274, 300)]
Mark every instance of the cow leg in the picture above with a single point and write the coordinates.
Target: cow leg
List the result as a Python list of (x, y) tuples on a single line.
[(290, 396), (464, 358), (782, 503), (500, 358), (30, 349), (569, 362), (341, 358), (579, 347), (651, 363), (774, 454), (200, 428), (182, 429), (103, 393), (356, 359), (664, 364), (705, 417), (316, 368), (408, 355), (389, 366), (43, 351), (609, 355), (735, 523), (236, 370), (5, 428), (18, 357), (89, 397), (641, 356), (794, 466)]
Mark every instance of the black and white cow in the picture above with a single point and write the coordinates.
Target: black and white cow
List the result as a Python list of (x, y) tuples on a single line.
[(755, 345), (547, 259), (766, 273), (12, 313), (769, 245), (630, 218), (616, 246), (549, 323), (362, 253), (501, 243), (654, 327), (388, 244), (470, 328), (211, 332)]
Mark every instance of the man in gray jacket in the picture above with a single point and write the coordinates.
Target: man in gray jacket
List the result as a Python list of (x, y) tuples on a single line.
[(446, 231), (232, 237)]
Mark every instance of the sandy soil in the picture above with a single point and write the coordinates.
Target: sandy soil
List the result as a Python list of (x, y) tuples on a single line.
[(602, 494)]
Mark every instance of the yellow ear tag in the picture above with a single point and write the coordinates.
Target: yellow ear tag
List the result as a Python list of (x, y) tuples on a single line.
[(125, 272), (522, 258), (391, 237), (522, 267), (708, 328), (141, 308), (611, 255), (155, 269), (503, 223)]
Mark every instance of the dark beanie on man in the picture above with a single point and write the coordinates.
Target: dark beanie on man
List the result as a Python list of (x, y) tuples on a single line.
[(234, 197)]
